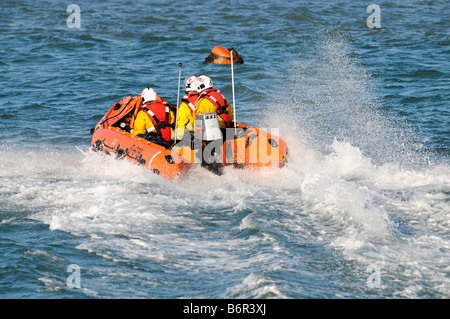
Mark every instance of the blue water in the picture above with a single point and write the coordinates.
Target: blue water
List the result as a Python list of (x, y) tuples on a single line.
[(360, 211)]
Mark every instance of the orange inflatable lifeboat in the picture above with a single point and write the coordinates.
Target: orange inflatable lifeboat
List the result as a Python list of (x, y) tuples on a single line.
[(220, 55), (241, 146)]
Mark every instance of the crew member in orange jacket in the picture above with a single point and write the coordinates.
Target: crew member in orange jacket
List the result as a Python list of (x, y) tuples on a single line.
[(154, 121)]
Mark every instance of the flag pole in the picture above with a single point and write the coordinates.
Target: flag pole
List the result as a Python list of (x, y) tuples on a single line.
[(232, 85), (178, 100)]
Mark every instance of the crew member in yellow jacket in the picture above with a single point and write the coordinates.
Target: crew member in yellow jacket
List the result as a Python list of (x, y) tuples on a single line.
[(154, 121), (212, 100), (185, 120)]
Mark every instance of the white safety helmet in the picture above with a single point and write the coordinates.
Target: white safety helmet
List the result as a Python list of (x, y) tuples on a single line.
[(203, 82), (189, 84), (148, 95)]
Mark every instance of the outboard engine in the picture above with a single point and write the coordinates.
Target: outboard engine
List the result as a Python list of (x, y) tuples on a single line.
[(210, 139), (207, 127)]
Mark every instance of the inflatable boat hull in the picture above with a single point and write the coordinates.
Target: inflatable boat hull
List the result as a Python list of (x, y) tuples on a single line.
[(251, 147)]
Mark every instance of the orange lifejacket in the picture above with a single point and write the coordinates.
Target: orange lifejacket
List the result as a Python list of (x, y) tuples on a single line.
[(190, 99), (159, 113), (215, 96)]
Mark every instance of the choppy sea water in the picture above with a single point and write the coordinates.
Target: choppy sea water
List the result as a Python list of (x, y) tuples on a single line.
[(360, 211)]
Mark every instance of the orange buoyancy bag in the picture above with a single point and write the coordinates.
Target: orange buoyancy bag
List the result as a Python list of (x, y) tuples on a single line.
[(127, 107), (220, 55), (215, 96), (159, 113)]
